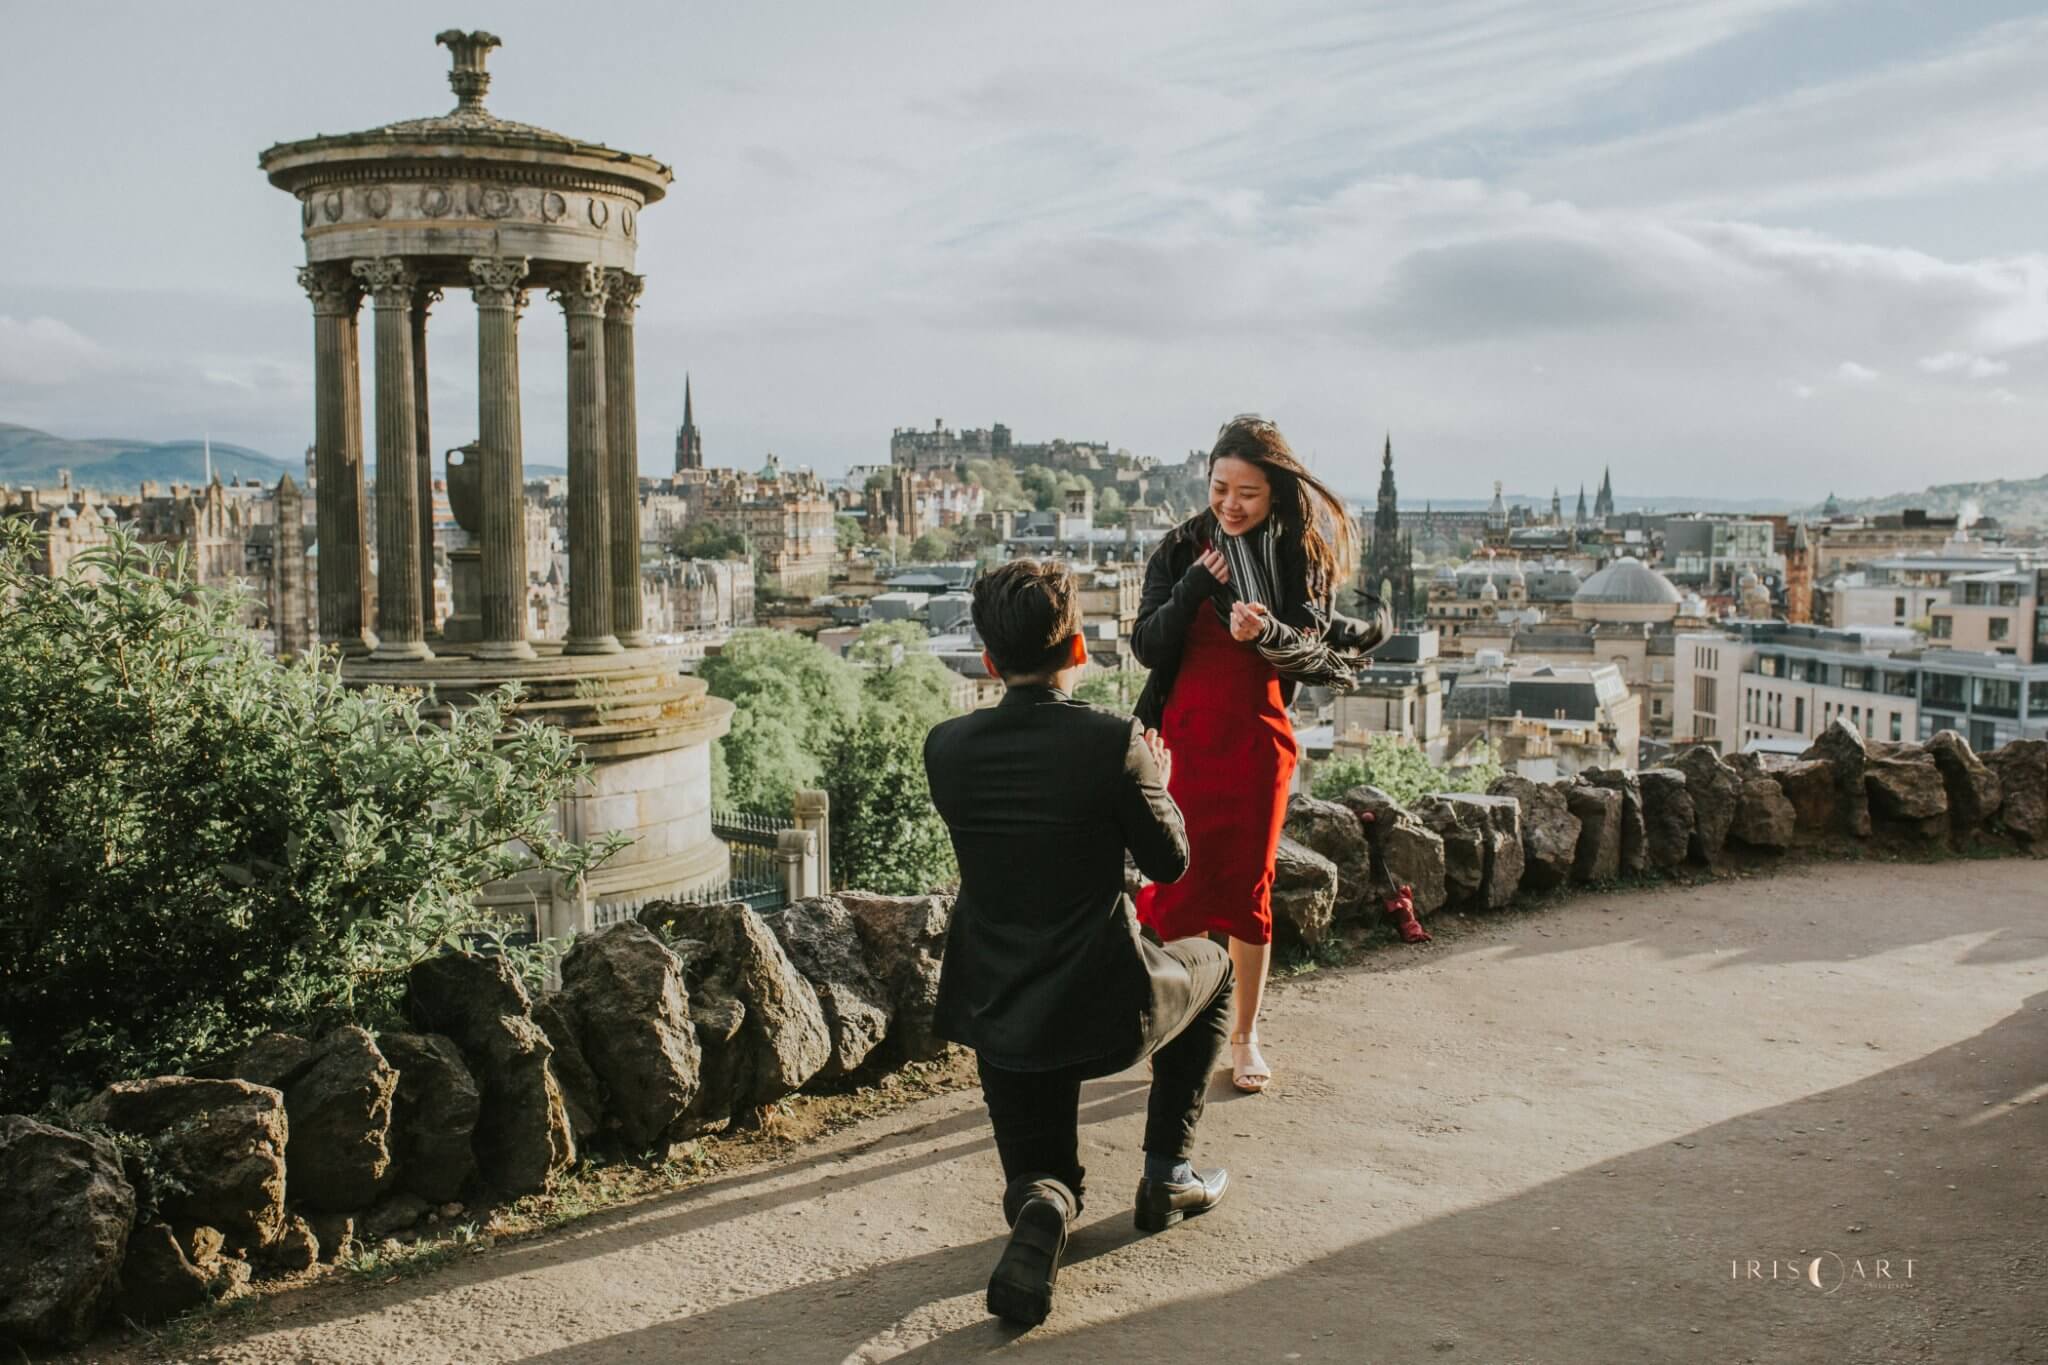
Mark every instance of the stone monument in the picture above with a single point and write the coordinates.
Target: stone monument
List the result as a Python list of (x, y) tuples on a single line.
[(468, 200)]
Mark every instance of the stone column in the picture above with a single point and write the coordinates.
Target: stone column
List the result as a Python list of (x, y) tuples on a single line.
[(622, 436), (590, 556), (424, 298), (401, 626), (288, 571), (344, 566), (495, 285)]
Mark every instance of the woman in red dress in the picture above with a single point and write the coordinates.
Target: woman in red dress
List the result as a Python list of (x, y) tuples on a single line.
[(1236, 613)]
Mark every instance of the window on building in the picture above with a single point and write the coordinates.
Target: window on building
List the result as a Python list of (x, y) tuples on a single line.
[(1856, 679), (2008, 594), (1998, 696), (1898, 684), (1999, 628), (1657, 671), (1898, 726), (1943, 628), (2037, 697), (1899, 608), (1795, 669), (1799, 714), (1657, 705), (1944, 689), (1769, 665)]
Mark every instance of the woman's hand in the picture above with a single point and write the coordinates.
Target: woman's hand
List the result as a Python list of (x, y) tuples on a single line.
[(1161, 755), (1247, 621), (1212, 559)]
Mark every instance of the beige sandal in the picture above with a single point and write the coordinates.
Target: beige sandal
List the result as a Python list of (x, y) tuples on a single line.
[(1248, 1069)]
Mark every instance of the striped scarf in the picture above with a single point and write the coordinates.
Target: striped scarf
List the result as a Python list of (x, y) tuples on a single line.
[(1254, 560)]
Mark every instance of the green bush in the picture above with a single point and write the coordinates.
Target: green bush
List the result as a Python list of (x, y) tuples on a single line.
[(1399, 769), (803, 718), (200, 842)]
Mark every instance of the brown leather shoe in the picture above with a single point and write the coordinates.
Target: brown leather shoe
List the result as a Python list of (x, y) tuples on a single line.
[(1161, 1205)]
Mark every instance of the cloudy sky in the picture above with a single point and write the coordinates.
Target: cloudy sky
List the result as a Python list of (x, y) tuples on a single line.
[(1727, 246)]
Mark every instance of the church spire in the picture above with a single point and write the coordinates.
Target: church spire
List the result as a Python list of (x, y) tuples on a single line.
[(689, 443)]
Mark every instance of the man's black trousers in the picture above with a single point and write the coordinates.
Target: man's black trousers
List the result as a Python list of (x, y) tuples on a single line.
[(1036, 1114)]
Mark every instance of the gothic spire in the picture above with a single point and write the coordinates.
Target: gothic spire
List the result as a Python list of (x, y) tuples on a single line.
[(689, 418)]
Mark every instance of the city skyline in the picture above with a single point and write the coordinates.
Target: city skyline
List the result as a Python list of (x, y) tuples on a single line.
[(1756, 244)]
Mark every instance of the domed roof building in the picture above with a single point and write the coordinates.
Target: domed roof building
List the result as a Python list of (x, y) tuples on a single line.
[(1626, 590)]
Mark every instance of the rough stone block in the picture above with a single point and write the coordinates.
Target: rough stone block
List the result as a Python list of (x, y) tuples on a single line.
[(1334, 831), (1841, 746), (1304, 895), (67, 1211), (1668, 818), (2022, 769), (1550, 832), (1974, 791), (1597, 857), (1764, 819)]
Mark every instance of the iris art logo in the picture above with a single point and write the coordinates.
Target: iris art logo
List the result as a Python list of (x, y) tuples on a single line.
[(1825, 1272)]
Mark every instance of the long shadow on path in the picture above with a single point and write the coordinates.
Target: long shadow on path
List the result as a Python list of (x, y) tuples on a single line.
[(1643, 1258)]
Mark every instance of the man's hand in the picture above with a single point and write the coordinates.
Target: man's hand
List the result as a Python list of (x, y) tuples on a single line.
[(1212, 559), (1247, 621), (1161, 755)]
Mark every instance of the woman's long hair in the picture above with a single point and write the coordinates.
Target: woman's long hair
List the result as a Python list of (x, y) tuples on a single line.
[(1308, 509)]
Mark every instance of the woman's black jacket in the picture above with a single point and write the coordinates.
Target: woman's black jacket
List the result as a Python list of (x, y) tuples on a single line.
[(1176, 587)]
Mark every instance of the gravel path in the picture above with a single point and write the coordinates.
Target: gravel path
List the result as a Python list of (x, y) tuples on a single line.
[(1555, 1137)]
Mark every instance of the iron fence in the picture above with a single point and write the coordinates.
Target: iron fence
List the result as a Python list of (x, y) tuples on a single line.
[(756, 870)]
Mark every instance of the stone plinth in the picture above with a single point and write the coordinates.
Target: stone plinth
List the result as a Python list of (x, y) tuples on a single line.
[(647, 730)]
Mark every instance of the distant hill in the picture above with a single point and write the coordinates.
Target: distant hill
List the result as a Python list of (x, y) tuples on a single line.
[(2015, 502), (117, 465)]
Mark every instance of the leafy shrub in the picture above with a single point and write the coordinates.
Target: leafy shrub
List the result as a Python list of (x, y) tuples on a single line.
[(201, 842), (803, 718), (1400, 770)]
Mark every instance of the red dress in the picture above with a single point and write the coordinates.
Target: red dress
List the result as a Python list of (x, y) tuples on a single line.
[(1233, 760)]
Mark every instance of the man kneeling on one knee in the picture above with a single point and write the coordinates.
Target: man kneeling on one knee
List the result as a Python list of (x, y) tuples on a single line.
[(1047, 975)]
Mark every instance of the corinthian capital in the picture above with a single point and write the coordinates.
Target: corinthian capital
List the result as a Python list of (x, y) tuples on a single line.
[(581, 293), (333, 290), (622, 288), (389, 279), (494, 281)]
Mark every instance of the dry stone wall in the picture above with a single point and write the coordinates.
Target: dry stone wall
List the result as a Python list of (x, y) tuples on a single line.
[(293, 1149)]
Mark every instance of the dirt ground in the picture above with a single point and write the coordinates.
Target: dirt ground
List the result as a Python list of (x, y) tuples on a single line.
[(1637, 1128)]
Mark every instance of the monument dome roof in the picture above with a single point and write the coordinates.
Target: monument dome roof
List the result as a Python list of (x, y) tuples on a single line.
[(1627, 581), (467, 136)]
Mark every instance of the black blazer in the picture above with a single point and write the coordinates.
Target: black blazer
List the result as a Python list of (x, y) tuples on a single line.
[(1045, 966), (1176, 586)]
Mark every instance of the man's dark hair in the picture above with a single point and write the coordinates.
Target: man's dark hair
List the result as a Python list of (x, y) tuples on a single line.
[(1026, 612)]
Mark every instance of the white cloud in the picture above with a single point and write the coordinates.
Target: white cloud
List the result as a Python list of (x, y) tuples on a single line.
[(1853, 373), (41, 352), (1802, 390), (1971, 115), (1975, 366)]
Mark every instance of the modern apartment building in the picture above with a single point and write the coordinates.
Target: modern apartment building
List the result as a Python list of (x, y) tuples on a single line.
[(1768, 684)]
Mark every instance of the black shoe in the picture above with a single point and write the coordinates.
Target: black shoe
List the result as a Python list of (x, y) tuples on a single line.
[(1162, 1204), (1020, 1290)]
